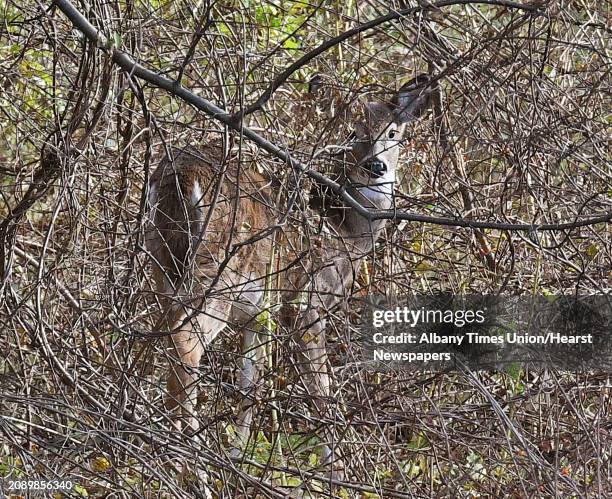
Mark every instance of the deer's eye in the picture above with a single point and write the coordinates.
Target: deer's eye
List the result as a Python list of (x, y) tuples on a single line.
[(392, 133)]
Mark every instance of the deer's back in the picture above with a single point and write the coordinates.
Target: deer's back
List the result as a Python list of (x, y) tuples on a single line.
[(212, 219)]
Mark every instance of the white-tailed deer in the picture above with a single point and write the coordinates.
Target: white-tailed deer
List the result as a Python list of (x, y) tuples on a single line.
[(209, 241)]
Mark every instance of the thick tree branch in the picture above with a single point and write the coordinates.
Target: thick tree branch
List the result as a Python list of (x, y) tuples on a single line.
[(134, 69)]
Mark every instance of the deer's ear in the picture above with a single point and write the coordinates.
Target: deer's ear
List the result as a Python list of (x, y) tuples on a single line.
[(412, 99), (316, 84)]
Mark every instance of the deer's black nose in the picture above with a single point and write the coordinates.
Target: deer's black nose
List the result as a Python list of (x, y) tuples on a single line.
[(377, 167)]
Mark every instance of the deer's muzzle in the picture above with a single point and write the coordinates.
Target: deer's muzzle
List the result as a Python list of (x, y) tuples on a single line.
[(376, 167)]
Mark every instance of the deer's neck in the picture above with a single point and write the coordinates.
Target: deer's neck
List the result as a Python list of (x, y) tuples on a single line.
[(359, 235)]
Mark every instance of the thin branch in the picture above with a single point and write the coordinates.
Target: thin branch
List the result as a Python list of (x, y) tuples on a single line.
[(391, 16)]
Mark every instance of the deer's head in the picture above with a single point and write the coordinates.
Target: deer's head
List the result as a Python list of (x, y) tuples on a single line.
[(379, 131)]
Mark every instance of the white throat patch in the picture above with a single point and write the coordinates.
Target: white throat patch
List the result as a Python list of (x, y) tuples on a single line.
[(380, 191)]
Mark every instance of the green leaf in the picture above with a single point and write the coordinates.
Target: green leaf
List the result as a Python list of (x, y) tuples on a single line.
[(515, 371), (82, 491), (291, 43)]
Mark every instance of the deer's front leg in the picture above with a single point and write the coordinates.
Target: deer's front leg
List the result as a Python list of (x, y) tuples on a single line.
[(328, 285), (314, 368)]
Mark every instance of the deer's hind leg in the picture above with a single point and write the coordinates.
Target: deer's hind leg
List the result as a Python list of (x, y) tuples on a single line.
[(253, 358), (192, 330)]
